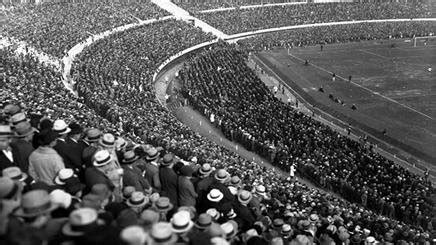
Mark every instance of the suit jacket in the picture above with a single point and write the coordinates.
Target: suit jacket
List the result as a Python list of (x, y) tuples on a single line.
[(133, 177), (88, 154), (71, 152), (228, 196), (151, 171), (22, 150), (94, 176), (186, 192), (245, 215), (5, 162), (168, 182)]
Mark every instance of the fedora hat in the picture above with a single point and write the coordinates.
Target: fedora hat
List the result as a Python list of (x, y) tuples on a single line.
[(162, 233), (203, 221), (75, 128), (8, 188), (167, 159), (107, 140), (205, 169), (151, 154), (92, 135), (129, 157), (163, 204), (14, 173), (278, 223), (34, 203), (137, 200), (244, 197), (235, 180), (260, 190), (5, 131), (222, 175), (102, 158), (181, 222), (286, 229), (215, 195), (24, 129), (63, 175), (80, 221), (134, 235), (17, 118), (61, 127)]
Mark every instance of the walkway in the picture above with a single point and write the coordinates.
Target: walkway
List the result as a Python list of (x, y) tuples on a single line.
[(182, 14), (250, 7)]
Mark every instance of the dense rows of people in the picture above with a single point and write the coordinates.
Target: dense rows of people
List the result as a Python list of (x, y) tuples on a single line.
[(221, 86), (56, 27), (278, 16), (198, 5), (339, 33)]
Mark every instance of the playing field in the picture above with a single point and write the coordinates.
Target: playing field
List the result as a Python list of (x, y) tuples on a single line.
[(390, 86)]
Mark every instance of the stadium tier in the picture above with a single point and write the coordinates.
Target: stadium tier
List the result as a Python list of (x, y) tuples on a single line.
[(107, 163)]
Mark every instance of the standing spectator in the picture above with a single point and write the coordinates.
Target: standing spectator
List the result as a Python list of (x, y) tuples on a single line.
[(45, 162), (168, 179), (152, 166), (8, 155), (61, 147), (91, 139), (186, 192), (133, 176), (23, 143)]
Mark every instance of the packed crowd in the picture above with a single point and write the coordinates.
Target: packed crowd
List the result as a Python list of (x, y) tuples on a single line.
[(339, 34), (221, 86), (198, 5), (54, 28), (278, 16)]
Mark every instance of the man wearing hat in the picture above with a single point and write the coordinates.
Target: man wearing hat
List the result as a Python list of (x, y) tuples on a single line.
[(168, 179), (222, 177), (102, 170), (152, 166), (67, 144), (45, 162), (205, 180), (243, 212), (9, 156), (34, 222), (91, 139), (23, 144), (186, 192), (133, 176)]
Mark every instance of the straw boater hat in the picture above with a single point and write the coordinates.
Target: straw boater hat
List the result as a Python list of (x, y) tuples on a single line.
[(63, 175), (162, 233), (260, 190), (35, 203), (129, 157), (17, 118), (5, 131), (24, 129), (163, 204), (107, 140), (151, 154), (244, 197), (215, 195), (222, 175), (181, 222), (203, 221), (134, 235), (213, 213), (80, 221), (137, 200), (8, 188), (230, 228), (102, 158), (168, 159), (92, 135), (60, 127), (205, 169), (14, 173)]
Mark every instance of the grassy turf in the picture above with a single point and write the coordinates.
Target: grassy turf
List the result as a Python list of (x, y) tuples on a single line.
[(391, 88)]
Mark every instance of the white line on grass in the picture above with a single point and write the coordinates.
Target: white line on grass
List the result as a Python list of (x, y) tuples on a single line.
[(365, 88), (371, 53)]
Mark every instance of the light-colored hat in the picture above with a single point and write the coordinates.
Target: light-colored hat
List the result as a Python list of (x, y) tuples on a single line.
[(14, 173), (5, 131), (34, 203), (129, 157), (151, 154), (120, 143), (215, 195), (93, 135), (205, 169), (102, 158), (230, 228), (163, 204), (162, 233), (260, 190), (61, 198), (8, 188), (244, 197), (222, 175), (137, 199), (19, 117), (134, 235), (107, 140), (213, 213), (63, 175), (181, 222), (60, 127), (80, 221), (24, 129), (203, 221)]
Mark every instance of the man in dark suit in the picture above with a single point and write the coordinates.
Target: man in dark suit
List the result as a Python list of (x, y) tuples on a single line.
[(9, 155), (67, 144), (133, 176), (168, 179), (23, 144)]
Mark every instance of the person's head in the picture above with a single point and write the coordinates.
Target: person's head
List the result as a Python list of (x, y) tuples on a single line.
[(5, 136), (48, 138), (61, 128), (76, 131), (25, 131)]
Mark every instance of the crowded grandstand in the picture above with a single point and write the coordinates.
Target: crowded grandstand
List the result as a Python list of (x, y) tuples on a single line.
[(91, 155)]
